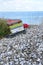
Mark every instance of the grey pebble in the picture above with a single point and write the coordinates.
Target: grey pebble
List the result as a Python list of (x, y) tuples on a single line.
[(23, 49)]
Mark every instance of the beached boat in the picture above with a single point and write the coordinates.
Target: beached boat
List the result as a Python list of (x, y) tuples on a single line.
[(15, 25)]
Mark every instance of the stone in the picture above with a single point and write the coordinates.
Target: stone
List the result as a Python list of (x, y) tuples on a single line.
[(9, 53), (11, 63), (16, 60), (38, 59), (22, 63), (23, 49), (33, 55)]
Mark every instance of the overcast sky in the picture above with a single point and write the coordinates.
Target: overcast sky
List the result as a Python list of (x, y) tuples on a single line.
[(21, 5)]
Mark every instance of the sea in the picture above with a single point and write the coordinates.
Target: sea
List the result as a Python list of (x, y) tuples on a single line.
[(29, 17)]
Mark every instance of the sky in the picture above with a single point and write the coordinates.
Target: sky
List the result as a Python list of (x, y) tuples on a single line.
[(21, 5)]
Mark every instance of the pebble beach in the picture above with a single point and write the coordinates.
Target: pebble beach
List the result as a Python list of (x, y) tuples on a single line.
[(23, 49)]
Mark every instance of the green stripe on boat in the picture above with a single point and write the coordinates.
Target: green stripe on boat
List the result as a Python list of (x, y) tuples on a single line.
[(15, 25), (15, 28)]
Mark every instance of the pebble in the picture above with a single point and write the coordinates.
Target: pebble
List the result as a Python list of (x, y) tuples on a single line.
[(23, 49)]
